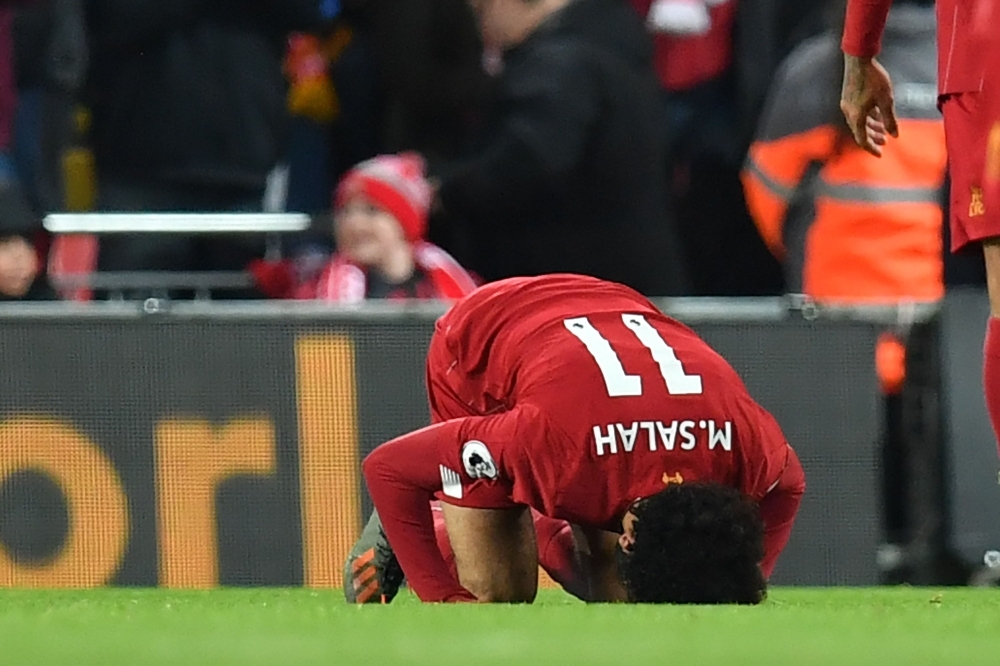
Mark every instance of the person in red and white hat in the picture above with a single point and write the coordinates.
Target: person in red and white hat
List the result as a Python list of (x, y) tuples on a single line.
[(380, 212)]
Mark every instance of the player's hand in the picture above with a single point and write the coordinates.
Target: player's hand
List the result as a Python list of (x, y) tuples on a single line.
[(867, 102)]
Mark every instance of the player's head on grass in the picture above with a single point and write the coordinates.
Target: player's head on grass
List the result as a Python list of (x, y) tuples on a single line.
[(693, 543)]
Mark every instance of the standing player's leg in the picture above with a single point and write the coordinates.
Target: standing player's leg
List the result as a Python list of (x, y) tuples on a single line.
[(991, 347), (975, 214), (495, 552), (991, 256)]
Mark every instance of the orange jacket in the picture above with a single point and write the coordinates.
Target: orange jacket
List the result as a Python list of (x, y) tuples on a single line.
[(849, 227)]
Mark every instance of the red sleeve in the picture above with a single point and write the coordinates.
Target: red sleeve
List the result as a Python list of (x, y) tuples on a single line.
[(764, 452), (402, 477), (778, 511), (864, 26), (457, 461)]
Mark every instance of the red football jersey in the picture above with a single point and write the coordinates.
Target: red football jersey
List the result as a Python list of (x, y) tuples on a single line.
[(587, 398), (966, 29), (609, 398)]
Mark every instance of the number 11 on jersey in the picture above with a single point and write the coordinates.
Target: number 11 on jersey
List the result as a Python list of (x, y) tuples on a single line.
[(617, 381)]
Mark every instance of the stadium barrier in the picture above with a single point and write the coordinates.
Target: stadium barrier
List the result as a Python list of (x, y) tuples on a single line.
[(201, 444), (76, 237)]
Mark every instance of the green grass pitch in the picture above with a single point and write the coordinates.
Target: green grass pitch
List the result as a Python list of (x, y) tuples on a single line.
[(267, 626)]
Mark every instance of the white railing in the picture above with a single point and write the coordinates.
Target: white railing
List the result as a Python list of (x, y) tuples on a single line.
[(177, 223), (202, 283)]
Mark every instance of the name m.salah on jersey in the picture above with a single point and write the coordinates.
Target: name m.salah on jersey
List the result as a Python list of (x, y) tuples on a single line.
[(668, 436)]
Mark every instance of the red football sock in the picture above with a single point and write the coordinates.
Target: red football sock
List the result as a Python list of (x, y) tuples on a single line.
[(991, 373)]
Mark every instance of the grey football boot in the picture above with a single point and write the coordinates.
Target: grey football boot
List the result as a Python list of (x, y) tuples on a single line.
[(372, 574)]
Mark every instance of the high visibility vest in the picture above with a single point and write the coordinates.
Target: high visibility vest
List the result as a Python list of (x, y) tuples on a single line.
[(849, 227)]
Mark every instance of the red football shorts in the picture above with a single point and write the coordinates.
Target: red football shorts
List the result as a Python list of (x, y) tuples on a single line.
[(972, 133)]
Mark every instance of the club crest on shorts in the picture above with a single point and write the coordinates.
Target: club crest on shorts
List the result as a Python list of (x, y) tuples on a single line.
[(478, 461), (977, 207)]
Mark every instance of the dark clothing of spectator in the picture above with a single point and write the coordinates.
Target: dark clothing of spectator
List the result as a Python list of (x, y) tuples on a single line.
[(766, 32), (190, 115), (8, 91), (178, 252), (20, 277), (571, 178), (51, 56), (429, 59), (8, 82), (191, 92)]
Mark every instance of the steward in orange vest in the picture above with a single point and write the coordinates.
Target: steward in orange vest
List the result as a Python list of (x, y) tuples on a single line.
[(848, 227)]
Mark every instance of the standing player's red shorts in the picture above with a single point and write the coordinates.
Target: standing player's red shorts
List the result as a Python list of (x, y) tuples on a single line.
[(972, 132)]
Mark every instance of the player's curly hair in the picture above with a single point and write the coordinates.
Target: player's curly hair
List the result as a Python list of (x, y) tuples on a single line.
[(695, 543)]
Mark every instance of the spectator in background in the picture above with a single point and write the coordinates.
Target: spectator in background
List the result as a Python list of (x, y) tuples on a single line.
[(765, 32), (411, 80), (314, 106), (693, 42), (51, 57), (570, 174), (851, 229), (693, 56), (189, 114), (8, 93), (380, 222), (388, 76), (20, 277), (429, 59)]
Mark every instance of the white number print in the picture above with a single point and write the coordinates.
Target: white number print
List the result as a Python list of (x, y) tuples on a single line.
[(617, 381), (619, 384)]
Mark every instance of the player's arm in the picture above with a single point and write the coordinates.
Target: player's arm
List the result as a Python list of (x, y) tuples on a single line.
[(866, 98), (461, 463), (778, 511), (403, 476), (605, 584), (779, 504)]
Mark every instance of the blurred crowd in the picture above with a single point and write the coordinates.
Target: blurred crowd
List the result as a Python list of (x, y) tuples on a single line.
[(683, 147)]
